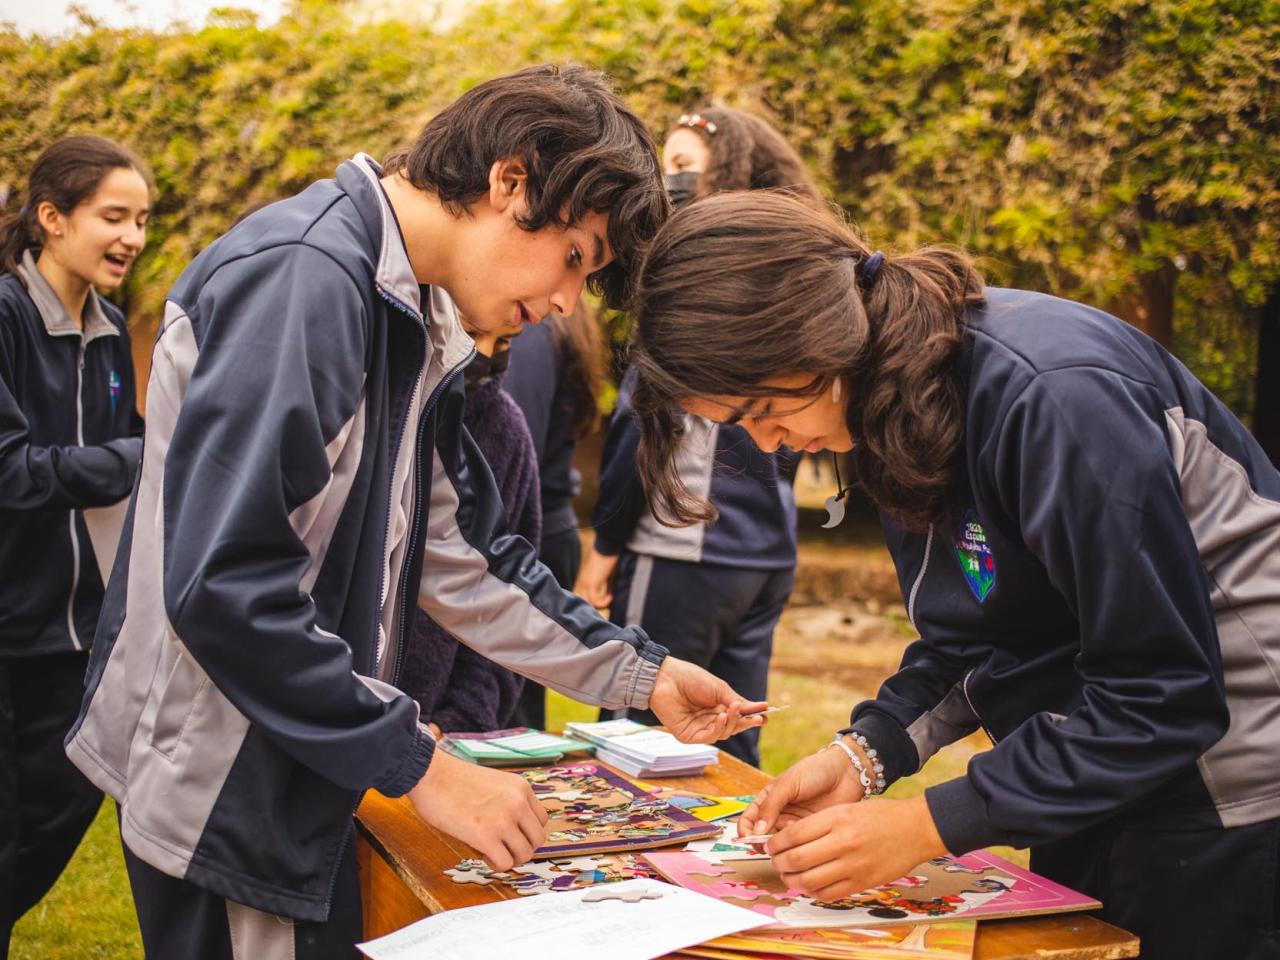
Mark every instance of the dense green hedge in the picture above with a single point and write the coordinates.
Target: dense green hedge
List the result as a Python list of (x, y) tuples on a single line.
[(1122, 152)]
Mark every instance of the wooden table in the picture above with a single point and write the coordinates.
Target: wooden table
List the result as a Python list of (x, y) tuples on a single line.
[(402, 863)]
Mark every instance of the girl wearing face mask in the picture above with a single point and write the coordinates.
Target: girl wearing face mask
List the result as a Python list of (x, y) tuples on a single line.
[(711, 593), (1087, 541), (457, 689), (70, 438)]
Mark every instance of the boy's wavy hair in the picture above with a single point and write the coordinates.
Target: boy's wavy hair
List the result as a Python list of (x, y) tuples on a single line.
[(740, 289), (585, 151)]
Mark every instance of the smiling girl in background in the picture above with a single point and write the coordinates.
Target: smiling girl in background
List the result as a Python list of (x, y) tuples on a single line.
[(70, 438)]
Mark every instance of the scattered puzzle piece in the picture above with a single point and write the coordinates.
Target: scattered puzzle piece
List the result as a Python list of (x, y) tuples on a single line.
[(537, 868), (599, 894), (531, 885), (710, 870), (745, 890), (565, 796), (468, 876), (578, 864)]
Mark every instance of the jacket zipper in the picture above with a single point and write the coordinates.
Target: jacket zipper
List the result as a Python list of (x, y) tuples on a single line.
[(382, 585), (417, 505), (75, 539), (915, 587), (964, 688), (395, 457)]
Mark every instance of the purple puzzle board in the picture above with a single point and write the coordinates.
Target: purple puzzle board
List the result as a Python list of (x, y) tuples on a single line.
[(978, 885), (594, 810)]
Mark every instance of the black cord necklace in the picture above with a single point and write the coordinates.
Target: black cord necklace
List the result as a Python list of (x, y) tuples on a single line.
[(836, 504)]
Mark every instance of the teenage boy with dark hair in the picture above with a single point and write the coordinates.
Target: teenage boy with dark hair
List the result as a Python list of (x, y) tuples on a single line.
[(306, 478)]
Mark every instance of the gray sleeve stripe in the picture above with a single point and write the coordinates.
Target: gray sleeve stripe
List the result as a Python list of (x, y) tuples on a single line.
[(946, 723), (316, 520), (498, 620)]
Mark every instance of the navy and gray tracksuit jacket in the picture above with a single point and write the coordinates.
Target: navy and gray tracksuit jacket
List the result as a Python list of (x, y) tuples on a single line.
[(752, 490), (306, 479), (70, 438), (1104, 601)]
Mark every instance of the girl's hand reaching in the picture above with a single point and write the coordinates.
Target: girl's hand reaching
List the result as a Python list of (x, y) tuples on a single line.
[(849, 847), (823, 780)]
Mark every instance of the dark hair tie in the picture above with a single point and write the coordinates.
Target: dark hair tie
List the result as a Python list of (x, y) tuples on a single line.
[(25, 209), (870, 267)]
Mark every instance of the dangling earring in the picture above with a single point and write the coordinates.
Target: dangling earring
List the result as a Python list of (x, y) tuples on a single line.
[(835, 390), (835, 504)]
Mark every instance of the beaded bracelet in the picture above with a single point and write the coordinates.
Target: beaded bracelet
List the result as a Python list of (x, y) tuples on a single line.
[(869, 789)]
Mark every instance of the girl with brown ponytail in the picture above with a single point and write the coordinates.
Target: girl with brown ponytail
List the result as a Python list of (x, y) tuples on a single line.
[(70, 438), (1087, 541)]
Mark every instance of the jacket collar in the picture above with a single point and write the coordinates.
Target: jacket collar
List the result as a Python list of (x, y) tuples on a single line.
[(57, 322), (394, 274)]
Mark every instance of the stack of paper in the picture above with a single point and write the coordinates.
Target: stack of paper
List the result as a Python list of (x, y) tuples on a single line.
[(643, 751), (639, 919), (517, 747)]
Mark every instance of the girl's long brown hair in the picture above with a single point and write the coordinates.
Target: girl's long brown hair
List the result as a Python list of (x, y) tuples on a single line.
[(740, 289)]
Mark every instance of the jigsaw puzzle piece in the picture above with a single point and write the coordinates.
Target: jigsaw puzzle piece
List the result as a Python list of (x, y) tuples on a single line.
[(531, 885), (537, 868), (600, 894), (578, 864), (709, 870), (468, 876)]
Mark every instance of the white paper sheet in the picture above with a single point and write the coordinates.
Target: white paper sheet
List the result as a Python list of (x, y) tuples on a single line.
[(560, 924), (105, 525)]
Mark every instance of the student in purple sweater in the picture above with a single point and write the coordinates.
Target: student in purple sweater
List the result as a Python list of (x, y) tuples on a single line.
[(458, 689)]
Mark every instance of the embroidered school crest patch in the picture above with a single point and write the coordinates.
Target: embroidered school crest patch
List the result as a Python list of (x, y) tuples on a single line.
[(113, 389), (977, 561)]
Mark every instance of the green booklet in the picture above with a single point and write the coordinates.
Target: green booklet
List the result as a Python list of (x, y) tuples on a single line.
[(518, 746)]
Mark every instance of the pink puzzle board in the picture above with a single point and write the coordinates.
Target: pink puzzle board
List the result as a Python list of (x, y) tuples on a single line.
[(978, 885)]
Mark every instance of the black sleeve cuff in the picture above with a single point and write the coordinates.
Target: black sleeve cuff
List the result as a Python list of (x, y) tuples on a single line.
[(606, 547), (413, 768), (894, 748), (960, 815)]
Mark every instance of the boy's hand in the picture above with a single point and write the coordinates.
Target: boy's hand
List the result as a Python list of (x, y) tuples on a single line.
[(697, 707), (595, 579), (822, 780), (495, 812), (851, 847)]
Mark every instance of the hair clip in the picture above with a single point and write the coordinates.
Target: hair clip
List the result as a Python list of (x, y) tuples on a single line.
[(697, 121)]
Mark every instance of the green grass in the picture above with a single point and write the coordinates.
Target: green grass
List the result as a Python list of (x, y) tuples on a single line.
[(88, 915)]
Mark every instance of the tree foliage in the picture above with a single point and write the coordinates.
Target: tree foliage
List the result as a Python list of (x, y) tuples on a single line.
[(1120, 152)]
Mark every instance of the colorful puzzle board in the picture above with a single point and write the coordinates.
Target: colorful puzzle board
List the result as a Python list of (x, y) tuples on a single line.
[(978, 885), (594, 810), (556, 876), (943, 940), (701, 805)]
